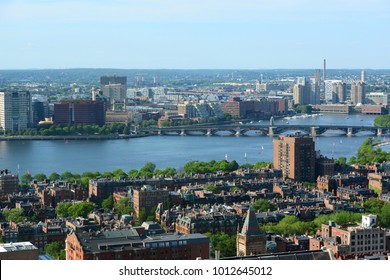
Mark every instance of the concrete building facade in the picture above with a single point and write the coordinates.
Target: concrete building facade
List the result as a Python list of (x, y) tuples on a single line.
[(15, 110)]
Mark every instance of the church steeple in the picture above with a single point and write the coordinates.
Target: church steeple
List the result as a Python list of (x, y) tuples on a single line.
[(251, 240), (251, 226)]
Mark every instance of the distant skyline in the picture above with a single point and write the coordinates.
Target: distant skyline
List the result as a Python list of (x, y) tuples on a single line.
[(194, 34)]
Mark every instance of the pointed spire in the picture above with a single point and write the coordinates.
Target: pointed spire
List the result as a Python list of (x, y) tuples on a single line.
[(251, 226)]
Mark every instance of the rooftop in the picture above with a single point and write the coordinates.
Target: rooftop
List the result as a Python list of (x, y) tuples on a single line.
[(19, 246)]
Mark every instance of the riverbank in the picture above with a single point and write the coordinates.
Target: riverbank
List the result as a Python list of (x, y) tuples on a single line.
[(69, 137)]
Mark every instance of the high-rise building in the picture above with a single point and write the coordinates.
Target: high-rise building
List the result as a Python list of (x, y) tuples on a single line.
[(330, 93), (251, 240), (358, 93), (15, 110), (114, 87), (363, 76), (295, 156), (324, 73), (8, 183), (80, 112), (38, 112), (302, 91), (340, 91)]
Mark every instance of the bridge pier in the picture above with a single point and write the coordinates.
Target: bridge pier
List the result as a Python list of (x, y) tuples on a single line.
[(379, 132), (313, 131), (271, 131), (183, 132), (349, 131), (209, 132), (238, 132)]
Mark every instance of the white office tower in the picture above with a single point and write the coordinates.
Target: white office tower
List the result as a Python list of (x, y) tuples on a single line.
[(330, 95), (15, 110)]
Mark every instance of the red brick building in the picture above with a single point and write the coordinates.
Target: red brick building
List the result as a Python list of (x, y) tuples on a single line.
[(295, 156), (80, 112), (129, 245)]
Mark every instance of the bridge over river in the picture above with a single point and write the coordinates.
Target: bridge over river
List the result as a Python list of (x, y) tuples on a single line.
[(263, 129)]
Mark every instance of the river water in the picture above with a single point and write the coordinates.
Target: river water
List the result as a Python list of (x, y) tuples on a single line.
[(166, 151)]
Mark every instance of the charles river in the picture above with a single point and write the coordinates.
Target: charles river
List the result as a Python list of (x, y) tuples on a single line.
[(79, 156)]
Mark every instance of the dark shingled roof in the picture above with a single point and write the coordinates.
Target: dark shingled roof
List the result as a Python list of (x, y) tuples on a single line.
[(251, 226), (299, 255)]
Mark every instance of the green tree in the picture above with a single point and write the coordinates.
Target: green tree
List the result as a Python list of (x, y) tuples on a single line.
[(123, 206), (108, 203), (107, 175), (374, 206), (84, 181), (40, 177), (384, 216), (126, 130), (143, 215), (262, 164), (234, 189), (382, 121), (213, 189), (263, 205), (147, 170), (133, 173), (224, 243), (81, 209), (66, 176), (26, 179), (119, 173), (14, 214), (62, 209), (56, 250), (246, 166), (54, 176), (341, 218)]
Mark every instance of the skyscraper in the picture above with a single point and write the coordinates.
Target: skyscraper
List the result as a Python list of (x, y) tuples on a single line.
[(15, 110), (330, 90), (358, 93), (114, 87), (363, 76), (340, 90), (295, 156), (324, 73)]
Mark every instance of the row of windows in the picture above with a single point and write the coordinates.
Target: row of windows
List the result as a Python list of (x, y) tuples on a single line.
[(367, 248), (166, 244)]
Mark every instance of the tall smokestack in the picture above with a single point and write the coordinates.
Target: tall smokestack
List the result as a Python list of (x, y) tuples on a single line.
[(324, 74)]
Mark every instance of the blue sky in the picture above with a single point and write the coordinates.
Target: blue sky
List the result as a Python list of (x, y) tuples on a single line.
[(194, 34)]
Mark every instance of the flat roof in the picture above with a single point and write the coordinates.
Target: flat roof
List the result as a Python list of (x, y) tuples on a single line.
[(18, 246)]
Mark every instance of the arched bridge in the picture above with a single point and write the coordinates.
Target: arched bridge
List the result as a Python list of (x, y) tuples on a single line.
[(264, 129)]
